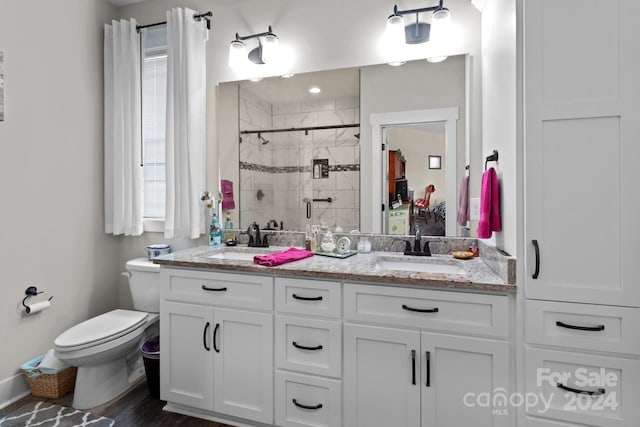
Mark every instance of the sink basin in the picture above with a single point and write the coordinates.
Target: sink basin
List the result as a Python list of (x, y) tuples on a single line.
[(236, 256), (243, 253), (421, 265)]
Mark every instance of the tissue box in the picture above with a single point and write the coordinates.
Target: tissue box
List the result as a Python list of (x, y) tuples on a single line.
[(49, 383)]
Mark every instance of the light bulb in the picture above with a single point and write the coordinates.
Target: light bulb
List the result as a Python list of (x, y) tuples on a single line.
[(440, 23), (394, 32), (270, 48), (237, 54), (435, 59)]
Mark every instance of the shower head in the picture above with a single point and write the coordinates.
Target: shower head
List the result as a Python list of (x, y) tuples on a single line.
[(264, 141)]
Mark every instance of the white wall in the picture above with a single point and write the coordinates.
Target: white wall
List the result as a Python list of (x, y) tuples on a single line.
[(51, 175), (499, 109)]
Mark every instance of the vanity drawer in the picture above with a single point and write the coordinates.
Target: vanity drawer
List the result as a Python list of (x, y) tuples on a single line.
[(585, 326), (309, 345), (302, 400), (479, 314), (302, 296), (215, 288), (559, 377)]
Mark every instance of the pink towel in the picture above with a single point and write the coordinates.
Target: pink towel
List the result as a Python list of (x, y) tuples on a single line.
[(463, 202), (278, 258), (489, 205), (226, 187)]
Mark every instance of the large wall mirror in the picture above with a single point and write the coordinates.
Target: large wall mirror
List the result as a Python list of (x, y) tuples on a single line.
[(299, 157)]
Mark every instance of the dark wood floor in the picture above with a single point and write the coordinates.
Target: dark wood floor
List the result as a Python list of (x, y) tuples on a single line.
[(135, 408)]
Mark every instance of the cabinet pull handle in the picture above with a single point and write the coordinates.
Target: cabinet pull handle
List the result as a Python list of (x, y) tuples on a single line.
[(428, 356), (300, 405), (536, 272), (302, 347), (580, 328), (204, 288), (307, 298), (597, 392), (420, 310), (413, 367), (204, 337), (215, 333)]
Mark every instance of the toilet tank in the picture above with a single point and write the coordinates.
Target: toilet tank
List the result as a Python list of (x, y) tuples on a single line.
[(144, 283)]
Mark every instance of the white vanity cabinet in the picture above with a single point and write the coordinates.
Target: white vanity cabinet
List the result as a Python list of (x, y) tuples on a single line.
[(298, 352), (413, 377), (581, 121), (213, 357), (308, 352)]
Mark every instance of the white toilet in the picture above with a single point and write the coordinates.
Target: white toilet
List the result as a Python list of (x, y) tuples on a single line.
[(106, 348)]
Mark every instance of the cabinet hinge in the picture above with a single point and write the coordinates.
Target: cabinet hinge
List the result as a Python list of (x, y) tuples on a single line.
[(383, 147), (383, 207)]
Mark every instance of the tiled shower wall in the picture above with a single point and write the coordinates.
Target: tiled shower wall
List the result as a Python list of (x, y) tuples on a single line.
[(282, 168)]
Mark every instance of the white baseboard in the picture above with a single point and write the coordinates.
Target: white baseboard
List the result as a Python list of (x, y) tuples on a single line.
[(12, 389)]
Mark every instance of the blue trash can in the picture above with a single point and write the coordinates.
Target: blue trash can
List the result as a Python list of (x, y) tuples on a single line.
[(151, 357)]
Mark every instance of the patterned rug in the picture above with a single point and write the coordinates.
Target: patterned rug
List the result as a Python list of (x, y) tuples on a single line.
[(43, 414)]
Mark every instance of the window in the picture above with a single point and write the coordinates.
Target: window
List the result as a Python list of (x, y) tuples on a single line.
[(154, 94)]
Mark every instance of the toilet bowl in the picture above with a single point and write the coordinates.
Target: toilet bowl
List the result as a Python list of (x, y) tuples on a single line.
[(105, 348)]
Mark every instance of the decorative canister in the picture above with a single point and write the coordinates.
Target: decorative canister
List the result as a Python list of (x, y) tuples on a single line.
[(158, 249)]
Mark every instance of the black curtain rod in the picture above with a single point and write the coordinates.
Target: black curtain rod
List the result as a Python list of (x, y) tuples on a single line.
[(197, 17), (306, 129)]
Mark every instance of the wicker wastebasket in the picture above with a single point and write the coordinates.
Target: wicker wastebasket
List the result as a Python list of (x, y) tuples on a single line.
[(51, 384)]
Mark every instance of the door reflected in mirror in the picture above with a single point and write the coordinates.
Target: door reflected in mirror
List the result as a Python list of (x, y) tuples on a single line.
[(413, 179)]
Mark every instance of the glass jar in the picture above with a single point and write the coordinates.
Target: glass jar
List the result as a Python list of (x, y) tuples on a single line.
[(328, 242)]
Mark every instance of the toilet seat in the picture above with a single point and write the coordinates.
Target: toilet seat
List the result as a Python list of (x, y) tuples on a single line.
[(100, 329)]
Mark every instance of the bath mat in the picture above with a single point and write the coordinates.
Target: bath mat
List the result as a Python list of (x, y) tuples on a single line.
[(43, 414)]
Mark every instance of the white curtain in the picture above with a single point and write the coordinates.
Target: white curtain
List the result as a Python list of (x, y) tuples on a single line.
[(123, 174), (186, 124)]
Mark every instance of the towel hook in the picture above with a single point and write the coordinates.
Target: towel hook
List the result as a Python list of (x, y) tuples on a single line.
[(491, 158)]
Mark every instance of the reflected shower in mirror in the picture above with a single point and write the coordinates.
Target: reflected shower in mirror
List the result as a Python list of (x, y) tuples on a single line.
[(299, 149)]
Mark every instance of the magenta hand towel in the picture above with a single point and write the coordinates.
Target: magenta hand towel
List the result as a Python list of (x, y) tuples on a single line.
[(463, 202), (278, 258), (226, 187), (489, 205)]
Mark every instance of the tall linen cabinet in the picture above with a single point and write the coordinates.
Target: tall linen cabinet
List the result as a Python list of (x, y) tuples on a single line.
[(582, 232)]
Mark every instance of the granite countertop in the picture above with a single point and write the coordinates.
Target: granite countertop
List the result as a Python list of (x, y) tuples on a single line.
[(361, 267)]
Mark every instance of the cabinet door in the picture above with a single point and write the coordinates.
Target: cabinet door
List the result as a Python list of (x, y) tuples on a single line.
[(243, 364), (455, 371), (186, 364), (582, 120), (381, 377)]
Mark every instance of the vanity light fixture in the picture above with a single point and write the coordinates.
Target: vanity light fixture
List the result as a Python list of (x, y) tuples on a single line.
[(416, 32), (266, 51)]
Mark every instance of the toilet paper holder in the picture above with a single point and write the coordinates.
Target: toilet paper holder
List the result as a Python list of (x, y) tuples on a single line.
[(31, 291)]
